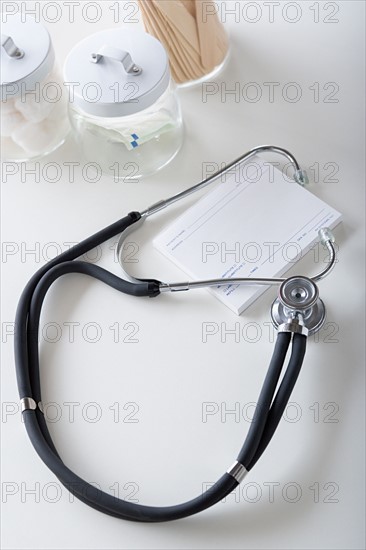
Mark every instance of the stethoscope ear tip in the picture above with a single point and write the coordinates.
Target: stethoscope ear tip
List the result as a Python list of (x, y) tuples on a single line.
[(301, 177), (326, 235)]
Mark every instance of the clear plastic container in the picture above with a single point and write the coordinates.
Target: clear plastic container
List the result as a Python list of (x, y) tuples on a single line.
[(135, 126), (33, 99)]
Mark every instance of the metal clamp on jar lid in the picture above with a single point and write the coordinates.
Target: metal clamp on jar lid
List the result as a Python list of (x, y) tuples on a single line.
[(117, 72), (118, 55), (27, 56)]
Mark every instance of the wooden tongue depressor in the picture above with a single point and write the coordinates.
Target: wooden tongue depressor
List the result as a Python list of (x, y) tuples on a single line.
[(178, 16), (207, 30), (195, 40), (158, 28), (180, 59), (222, 40), (185, 51), (190, 6), (175, 16)]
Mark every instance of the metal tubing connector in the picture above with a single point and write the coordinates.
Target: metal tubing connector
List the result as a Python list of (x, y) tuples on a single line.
[(237, 471), (295, 326), (27, 403)]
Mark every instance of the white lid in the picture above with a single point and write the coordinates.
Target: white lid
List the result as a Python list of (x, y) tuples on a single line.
[(27, 55), (117, 72)]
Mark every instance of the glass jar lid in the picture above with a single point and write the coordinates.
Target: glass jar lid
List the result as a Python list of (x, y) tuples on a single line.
[(117, 72), (27, 55)]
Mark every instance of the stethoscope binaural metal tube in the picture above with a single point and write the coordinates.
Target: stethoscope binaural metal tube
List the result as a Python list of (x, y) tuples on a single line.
[(300, 177)]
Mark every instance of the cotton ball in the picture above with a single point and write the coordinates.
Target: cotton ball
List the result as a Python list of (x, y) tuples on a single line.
[(7, 106), (34, 109), (35, 139), (11, 122), (38, 105)]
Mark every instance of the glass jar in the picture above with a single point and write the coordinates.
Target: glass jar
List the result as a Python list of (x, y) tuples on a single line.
[(191, 31), (125, 111), (33, 100)]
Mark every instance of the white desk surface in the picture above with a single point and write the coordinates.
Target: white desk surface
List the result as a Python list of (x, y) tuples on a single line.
[(307, 491)]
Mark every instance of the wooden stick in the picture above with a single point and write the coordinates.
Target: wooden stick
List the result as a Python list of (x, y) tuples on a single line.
[(190, 6), (179, 60), (194, 47), (157, 29)]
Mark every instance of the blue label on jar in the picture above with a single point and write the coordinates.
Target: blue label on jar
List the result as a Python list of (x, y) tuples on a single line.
[(134, 143)]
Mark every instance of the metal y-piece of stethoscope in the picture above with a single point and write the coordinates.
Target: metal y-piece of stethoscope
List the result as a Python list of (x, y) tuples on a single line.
[(297, 312)]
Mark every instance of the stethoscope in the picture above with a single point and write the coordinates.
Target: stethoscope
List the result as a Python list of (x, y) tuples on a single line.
[(297, 312)]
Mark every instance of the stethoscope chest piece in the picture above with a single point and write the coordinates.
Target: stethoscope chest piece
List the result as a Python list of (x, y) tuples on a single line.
[(299, 297)]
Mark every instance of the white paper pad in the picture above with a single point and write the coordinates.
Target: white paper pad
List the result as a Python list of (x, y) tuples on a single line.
[(255, 223)]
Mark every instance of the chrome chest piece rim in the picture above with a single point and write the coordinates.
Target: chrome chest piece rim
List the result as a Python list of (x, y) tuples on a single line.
[(299, 295)]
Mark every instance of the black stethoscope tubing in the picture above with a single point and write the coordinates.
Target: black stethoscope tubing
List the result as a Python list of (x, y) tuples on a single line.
[(270, 405)]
